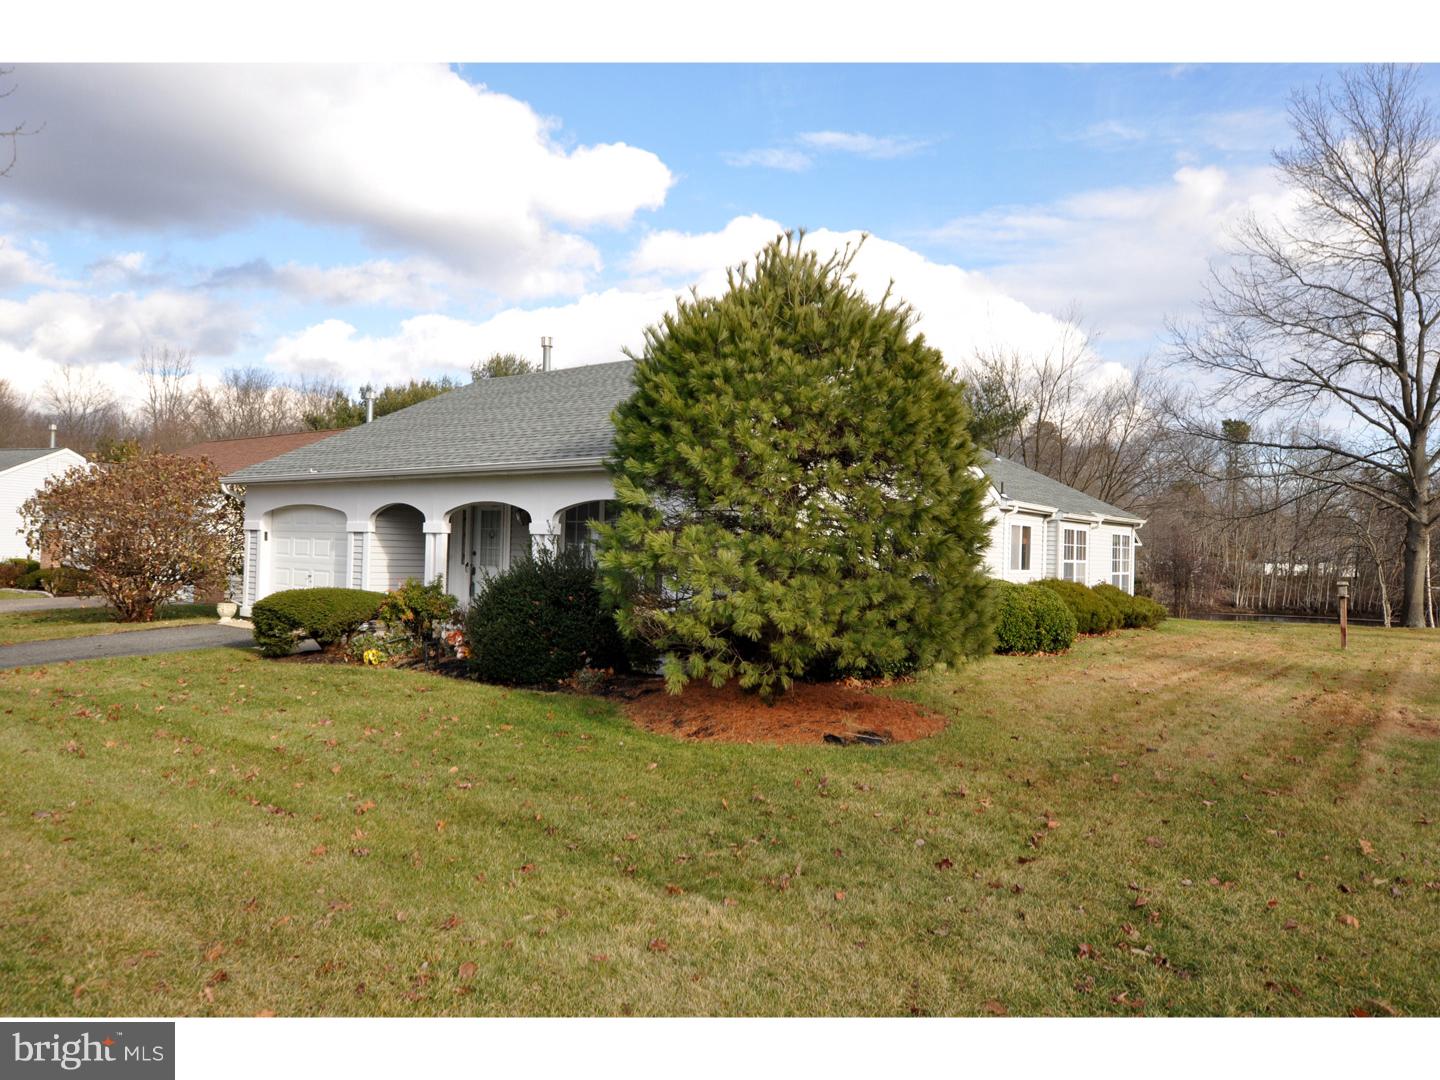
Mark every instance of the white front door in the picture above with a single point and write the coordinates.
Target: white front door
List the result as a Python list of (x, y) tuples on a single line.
[(307, 548), (486, 540)]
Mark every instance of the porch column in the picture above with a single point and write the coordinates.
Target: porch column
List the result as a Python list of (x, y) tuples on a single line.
[(437, 549), (357, 553), (544, 534)]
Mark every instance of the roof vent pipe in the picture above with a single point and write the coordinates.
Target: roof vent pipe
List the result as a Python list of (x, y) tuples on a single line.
[(53, 429), (367, 394), (545, 343)]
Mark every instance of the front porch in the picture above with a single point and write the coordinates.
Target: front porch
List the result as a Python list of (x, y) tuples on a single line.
[(376, 534)]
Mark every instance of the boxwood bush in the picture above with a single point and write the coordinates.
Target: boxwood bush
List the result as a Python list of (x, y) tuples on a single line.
[(1093, 613), (284, 619), (1029, 619), (541, 621), (1136, 612)]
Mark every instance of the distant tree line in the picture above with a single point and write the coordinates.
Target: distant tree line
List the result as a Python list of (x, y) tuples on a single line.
[(177, 408)]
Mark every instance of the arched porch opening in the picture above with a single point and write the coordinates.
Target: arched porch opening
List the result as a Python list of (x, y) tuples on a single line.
[(397, 547), (486, 538), (576, 525)]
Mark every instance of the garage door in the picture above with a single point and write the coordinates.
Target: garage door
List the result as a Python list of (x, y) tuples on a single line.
[(308, 548)]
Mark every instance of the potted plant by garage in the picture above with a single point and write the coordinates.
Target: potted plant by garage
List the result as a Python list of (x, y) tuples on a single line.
[(227, 608)]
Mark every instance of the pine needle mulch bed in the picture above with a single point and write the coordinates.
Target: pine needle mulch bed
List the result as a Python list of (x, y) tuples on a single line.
[(1203, 819), (809, 713)]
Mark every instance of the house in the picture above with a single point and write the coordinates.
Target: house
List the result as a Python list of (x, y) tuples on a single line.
[(232, 455), (463, 484), (22, 474), (1041, 528)]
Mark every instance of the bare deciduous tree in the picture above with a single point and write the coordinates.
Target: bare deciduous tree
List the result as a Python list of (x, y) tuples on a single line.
[(85, 409), (167, 410), (1327, 319)]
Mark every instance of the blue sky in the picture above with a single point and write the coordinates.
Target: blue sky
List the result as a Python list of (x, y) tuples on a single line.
[(376, 223)]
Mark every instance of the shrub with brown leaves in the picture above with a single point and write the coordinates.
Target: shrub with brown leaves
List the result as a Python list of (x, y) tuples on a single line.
[(144, 529)]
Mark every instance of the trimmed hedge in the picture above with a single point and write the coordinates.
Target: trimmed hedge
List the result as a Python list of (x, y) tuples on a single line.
[(1094, 614), (330, 616), (1136, 612), (19, 574), (1030, 619), (541, 621)]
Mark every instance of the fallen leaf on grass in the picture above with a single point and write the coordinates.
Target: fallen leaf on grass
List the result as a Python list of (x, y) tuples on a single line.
[(658, 945), (1367, 848), (944, 864), (1350, 921), (839, 894), (451, 923), (995, 1008), (264, 1014), (215, 952), (1085, 951), (467, 970)]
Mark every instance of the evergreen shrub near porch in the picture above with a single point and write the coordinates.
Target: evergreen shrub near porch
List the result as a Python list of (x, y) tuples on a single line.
[(1136, 612), (541, 621), (329, 616)]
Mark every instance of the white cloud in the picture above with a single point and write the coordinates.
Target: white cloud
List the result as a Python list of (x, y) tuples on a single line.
[(1127, 256), (56, 326), (959, 311), (411, 156), (24, 264), (801, 155), (863, 144), (772, 157)]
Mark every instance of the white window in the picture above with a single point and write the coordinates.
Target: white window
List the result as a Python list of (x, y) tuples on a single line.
[(1072, 561), (578, 527), (1120, 562), (1019, 547)]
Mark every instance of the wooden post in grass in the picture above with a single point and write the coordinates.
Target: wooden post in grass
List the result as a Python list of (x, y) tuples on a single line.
[(1342, 592)]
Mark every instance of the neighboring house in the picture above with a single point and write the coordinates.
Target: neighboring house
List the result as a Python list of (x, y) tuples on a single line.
[(462, 485), (22, 474), (232, 455), (1041, 528)]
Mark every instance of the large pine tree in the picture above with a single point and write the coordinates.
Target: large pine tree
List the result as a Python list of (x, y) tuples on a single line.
[(798, 487)]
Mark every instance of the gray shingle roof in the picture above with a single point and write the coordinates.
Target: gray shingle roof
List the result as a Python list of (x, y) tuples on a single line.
[(551, 418), (1027, 485), (546, 419), (10, 458)]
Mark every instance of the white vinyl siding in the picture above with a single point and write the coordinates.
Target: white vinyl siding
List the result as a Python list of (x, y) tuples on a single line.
[(19, 483), (397, 547), (1073, 547)]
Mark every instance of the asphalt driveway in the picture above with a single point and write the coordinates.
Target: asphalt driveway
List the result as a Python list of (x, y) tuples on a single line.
[(131, 643), (48, 603)]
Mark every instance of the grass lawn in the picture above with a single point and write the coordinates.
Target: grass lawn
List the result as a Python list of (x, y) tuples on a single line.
[(1208, 818), (48, 625)]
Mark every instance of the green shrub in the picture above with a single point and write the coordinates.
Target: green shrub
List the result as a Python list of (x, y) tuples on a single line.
[(1136, 612), (15, 573), (418, 610), (541, 621), (330, 616), (66, 581), (1029, 619), (1093, 613)]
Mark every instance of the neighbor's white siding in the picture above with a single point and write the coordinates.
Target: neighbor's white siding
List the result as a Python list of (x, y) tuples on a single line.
[(17, 485), (999, 556), (397, 548)]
